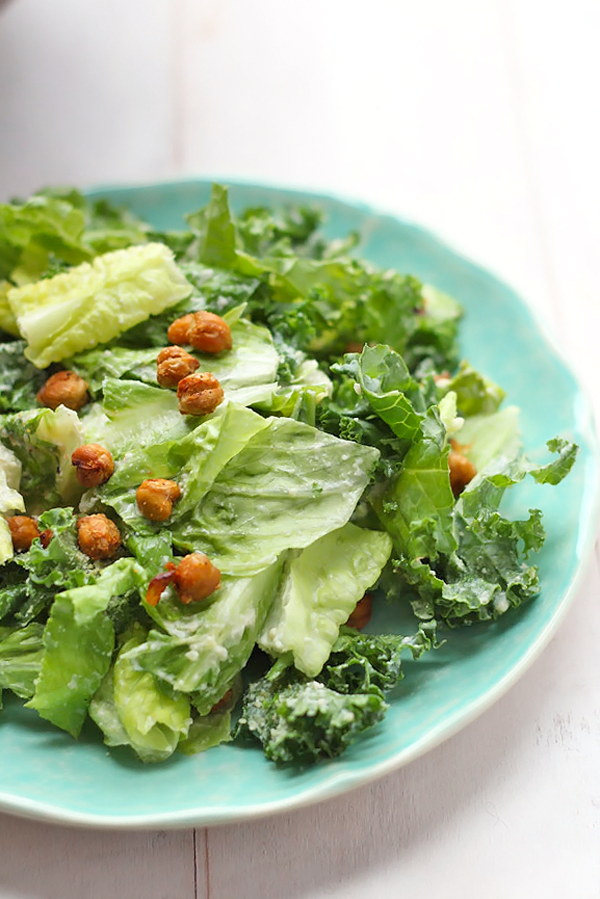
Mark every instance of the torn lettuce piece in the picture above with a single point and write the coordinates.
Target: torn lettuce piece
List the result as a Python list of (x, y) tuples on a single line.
[(288, 486), (475, 394), (92, 303), (62, 428), (319, 589), (247, 372), (484, 439), (43, 441), (207, 644), (78, 646), (213, 728), (32, 233), (21, 653), (8, 322), (207, 731), (20, 379), (131, 710), (193, 460), (11, 502), (299, 721), (153, 719)]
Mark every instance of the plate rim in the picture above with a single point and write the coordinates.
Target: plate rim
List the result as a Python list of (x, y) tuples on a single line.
[(348, 781)]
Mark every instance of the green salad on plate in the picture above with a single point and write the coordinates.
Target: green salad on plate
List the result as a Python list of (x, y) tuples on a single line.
[(220, 449)]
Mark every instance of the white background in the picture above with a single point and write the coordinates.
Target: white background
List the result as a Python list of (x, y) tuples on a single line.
[(479, 119)]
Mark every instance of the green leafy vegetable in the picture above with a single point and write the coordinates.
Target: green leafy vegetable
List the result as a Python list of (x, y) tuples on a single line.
[(302, 722), (95, 302), (78, 645), (288, 486), (319, 590)]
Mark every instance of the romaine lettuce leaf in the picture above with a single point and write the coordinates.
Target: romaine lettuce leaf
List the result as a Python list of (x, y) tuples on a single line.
[(288, 486), (207, 644), (33, 233), (247, 372), (43, 441), (318, 591), (8, 322), (153, 719), (193, 459), (475, 394), (92, 303), (131, 710), (11, 501), (78, 645), (20, 658)]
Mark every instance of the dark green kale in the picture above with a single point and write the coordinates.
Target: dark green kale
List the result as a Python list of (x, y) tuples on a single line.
[(20, 380), (300, 720)]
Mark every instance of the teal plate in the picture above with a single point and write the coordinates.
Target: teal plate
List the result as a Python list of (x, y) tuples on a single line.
[(47, 775)]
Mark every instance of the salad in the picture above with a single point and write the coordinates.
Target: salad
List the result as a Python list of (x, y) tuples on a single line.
[(220, 449)]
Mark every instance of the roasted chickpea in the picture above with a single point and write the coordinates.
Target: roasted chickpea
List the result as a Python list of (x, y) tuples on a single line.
[(179, 330), (354, 346), (199, 394), (209, 333), (462, 471), (155, 498), (94, 464), (172, 364), (196, 578), (223, 702), (98, 536), (361, 615), (66, 388), (23, 531)]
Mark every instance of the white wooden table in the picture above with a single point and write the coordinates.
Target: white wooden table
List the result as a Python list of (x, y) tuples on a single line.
[(478, 118)]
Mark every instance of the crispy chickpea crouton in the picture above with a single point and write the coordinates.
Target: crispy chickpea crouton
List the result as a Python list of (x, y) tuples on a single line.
[(98, 536), (179, 330), (361, 615), (94, 464), (462, 472), (64, 388), (155, 498), (209, 333), (195, 578), (23, 531), (199, 394), (172, 364), (205, 331)]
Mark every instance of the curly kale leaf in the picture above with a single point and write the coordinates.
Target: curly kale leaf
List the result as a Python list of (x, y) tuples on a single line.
[(303, 721), (362, 663)]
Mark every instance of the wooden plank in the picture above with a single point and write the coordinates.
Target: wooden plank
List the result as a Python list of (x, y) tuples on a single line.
[(66, 863)]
